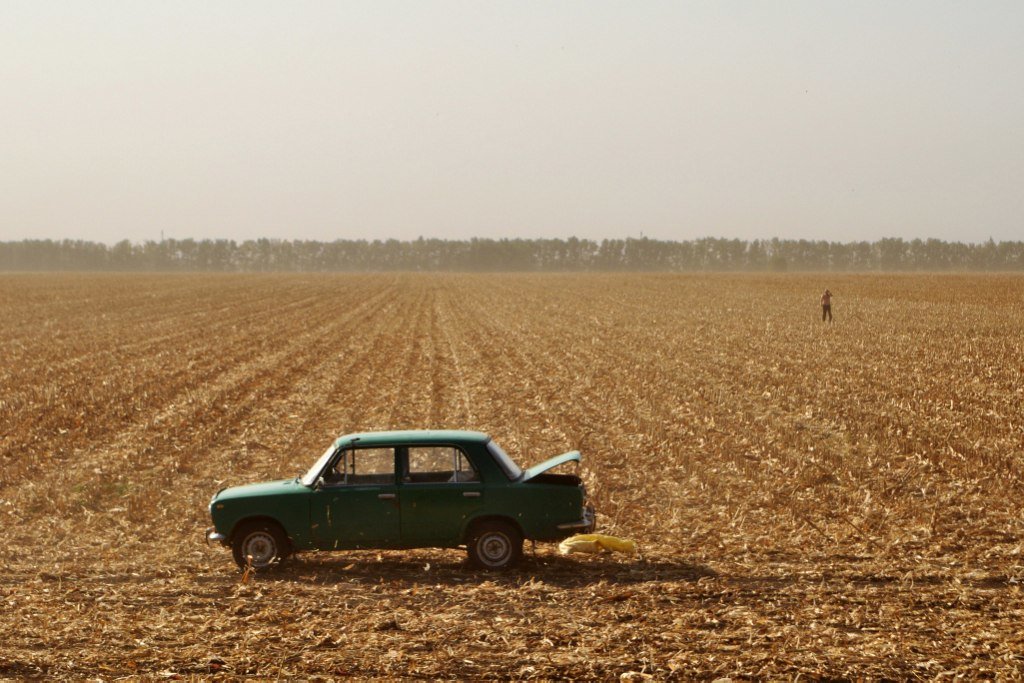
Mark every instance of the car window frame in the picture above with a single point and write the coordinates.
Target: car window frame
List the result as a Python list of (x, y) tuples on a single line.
[(403, 458), (342, 454)]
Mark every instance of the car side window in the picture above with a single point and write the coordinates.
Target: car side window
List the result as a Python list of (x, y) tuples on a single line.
[(362, 466), (439, 465)]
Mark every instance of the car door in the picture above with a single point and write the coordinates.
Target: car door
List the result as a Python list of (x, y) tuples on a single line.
[(355, 505), (440, 490)]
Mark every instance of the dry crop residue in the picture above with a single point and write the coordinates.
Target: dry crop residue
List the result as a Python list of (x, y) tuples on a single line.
[(840, 501)]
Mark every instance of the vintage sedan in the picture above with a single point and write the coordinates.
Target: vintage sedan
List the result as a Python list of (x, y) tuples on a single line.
[(405, 489)]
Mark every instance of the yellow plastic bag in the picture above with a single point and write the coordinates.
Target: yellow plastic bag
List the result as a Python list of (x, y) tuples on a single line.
[(595, 543)]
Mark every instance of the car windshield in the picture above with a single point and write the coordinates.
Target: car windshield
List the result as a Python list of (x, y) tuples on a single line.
[(310, 477), (507, 464)]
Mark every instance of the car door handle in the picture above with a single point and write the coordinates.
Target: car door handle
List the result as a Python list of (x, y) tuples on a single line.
[(386, 496), (470, 494)]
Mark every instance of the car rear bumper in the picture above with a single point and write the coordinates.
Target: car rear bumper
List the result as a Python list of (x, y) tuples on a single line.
[(585, 525)]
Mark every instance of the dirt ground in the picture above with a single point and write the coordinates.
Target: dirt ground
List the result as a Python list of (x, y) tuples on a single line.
[(835, 501)]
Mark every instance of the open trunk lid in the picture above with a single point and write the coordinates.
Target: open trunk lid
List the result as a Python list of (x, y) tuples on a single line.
[(550, 464)]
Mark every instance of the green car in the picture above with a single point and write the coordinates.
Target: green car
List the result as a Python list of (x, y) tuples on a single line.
[(405, 489)]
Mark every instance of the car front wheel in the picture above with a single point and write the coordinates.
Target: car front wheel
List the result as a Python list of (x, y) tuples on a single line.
[(264, 542), (495, 545)]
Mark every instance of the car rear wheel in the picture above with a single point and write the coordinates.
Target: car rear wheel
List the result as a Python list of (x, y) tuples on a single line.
[(265, 542), (495, 545)]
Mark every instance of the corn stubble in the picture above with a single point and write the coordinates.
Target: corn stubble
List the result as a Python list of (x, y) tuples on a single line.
[(837, 501)]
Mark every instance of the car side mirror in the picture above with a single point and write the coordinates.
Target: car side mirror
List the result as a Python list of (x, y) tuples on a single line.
[(319, 484)]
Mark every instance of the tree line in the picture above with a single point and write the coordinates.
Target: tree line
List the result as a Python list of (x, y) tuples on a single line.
[(631, 254)]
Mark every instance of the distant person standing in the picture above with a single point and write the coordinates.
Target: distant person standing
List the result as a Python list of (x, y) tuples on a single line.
[(826, 306)]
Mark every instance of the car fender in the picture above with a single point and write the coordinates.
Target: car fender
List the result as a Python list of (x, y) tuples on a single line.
[(467, 528)]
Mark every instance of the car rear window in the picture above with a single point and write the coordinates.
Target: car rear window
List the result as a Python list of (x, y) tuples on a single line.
[(507, 464)]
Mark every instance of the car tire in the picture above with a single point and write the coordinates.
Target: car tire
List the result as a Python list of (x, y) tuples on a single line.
[(265, 541), (495, 545)]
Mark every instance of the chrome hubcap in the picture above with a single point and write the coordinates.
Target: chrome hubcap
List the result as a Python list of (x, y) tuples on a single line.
[(261, 547), (494, 548)]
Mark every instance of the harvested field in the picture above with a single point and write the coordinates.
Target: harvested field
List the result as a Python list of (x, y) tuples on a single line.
[(839, 501)]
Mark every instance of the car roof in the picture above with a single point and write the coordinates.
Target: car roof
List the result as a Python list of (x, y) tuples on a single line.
[(412, 436)]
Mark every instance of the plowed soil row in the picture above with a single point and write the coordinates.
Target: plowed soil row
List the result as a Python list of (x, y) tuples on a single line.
[(830, 500)]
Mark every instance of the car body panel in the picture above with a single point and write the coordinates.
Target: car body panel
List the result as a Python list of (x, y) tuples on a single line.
[(340, 512), (354, 517), (284, 501), (437, 514), (411, 437)]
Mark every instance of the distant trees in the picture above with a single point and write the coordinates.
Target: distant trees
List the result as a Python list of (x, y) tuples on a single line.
[(573, 254)]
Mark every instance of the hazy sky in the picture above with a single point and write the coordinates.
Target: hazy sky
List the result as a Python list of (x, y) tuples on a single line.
[(324, 120)]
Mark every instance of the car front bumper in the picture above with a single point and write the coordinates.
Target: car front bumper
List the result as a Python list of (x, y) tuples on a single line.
[(212, 535)]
